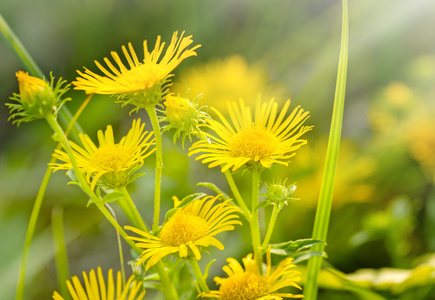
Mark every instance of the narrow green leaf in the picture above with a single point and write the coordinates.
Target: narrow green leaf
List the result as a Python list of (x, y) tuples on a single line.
[(323, 212), (291, 247)]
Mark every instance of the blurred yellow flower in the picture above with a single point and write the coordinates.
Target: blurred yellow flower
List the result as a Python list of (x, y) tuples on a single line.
[(187, 230), (113, 164), (228, 79), (95, 286), (142, 84), (260, 142), (353, 170), (249, 284)]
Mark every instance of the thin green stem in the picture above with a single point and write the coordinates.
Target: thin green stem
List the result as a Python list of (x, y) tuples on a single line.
[(237, 195), (323, 212), (130, 210), (198, 275), (60, 250), (270, 227), (118, 237), (151, 110), (254, 223), (30, 232), (36, 209)]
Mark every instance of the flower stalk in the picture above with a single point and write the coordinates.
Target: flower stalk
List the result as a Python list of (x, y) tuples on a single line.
[(151, 110)]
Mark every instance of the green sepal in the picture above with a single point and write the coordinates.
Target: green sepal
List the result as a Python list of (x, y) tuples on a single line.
[(214, 188), (207, 268), (186, 200), (291, 247)]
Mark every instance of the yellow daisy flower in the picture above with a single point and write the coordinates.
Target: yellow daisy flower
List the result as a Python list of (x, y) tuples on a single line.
[(142, 83), (113, 164), (249, 284), (266, 140), (189, 228), (96, 288)]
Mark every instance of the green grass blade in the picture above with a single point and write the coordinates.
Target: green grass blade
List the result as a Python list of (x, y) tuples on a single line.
[(60, 251), (33, 69), (321, 222)]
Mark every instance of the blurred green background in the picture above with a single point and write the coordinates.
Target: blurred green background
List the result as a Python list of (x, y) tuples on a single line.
[(384, 209)]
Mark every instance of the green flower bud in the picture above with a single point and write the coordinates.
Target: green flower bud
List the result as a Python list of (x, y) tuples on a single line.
[(37, 98)]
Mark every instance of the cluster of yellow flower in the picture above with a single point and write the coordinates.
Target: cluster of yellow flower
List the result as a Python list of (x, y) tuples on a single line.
[(250, 142)]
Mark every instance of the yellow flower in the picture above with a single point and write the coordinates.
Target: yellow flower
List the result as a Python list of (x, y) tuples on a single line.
[(37, 98), (227, 79), (113, 164), (187, 230), (142, 84), (249, 284), (266, 140), (96, 286)]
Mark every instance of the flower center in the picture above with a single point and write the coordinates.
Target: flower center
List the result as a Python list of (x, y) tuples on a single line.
[(141, 77), (182, 228), (246, 286), (111, 157), (254, 143)]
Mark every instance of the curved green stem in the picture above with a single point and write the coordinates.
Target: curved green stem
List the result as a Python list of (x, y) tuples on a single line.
[(270, 227), (151, 110), (198, 274), (237, 195), (323, 211), (254, 223)]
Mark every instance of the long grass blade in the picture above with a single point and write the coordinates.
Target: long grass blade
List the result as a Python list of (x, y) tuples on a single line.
[(323, 212)]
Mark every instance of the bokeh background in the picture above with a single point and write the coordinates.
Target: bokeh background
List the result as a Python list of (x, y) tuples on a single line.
[(382, 228)]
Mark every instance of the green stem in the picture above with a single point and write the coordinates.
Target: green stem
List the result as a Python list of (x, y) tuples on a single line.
[(198, 274), (129, 208), (254, 223), (237, 195), (30, 232), (151, 110), (323, 212), (60, 250), (36, 209), (270, 227), (118, 237), (168, 288)]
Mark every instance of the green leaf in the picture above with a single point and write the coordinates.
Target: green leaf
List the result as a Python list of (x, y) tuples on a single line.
[(114, 196), (291, 247)]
